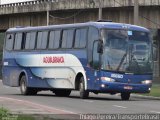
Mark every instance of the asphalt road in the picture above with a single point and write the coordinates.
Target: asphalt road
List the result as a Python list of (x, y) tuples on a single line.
[(101, 103)]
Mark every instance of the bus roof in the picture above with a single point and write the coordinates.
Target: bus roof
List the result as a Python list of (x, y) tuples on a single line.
[(99, 25)]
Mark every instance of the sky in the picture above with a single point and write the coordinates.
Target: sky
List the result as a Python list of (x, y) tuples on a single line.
[(12, 1)]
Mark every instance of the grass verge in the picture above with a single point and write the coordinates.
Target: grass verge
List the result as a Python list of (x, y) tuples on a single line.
[(5, 114)]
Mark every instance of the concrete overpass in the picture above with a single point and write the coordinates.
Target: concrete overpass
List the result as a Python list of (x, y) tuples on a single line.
[(34, 13)]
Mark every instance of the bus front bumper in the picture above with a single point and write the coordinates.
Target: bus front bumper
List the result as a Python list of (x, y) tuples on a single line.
[(114, 87)]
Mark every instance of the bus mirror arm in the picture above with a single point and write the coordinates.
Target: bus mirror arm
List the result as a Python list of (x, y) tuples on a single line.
[(100, 46)]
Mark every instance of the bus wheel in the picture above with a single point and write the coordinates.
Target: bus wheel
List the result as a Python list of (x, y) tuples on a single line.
[(125, 96), (83, 93), (24, 89), (62, 93)]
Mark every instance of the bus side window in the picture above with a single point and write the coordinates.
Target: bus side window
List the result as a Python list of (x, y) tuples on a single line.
[(67, 38), (18, 41), (54, 39), (30, 40), (42, 40), (80, 38), (92, 36), (9, 41)]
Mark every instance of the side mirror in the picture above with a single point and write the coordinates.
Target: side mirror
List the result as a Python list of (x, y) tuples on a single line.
[(100, 47)]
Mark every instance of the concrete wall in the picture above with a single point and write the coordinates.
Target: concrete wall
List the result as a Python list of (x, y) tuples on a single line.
[(76, 11), (149, 17), (34, 13), (43, 5)]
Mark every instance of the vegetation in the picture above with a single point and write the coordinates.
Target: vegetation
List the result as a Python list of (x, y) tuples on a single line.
[(6, 115), (3, 113), (25, 117)]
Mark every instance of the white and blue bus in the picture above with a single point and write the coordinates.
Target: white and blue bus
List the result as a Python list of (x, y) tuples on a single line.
[(98, 57)]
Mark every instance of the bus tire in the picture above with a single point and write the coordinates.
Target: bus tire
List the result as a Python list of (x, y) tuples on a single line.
[(83, 93), (24, 89), (125, 96), (62, 93)]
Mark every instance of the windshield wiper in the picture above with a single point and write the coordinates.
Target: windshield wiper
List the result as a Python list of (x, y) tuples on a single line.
[(122, 60)]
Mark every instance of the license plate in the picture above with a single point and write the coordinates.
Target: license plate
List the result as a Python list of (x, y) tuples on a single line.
[(128, 87)]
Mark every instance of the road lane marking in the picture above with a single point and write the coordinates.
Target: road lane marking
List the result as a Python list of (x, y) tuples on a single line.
[(32, 112), (90, 101), (26, 109), (119, 106), (155, 112), (17, 88), (38, 106), (6, 87)]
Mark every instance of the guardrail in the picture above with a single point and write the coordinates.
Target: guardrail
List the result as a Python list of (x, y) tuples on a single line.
[(27, 3), (113, 3), (51, 5)]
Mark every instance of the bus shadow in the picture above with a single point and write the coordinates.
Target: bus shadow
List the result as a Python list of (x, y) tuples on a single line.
[(98, 98), (107, 98), (95, 98)]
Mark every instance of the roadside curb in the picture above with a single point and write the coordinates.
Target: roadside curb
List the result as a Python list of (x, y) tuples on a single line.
[(27, 107), (145, 97)]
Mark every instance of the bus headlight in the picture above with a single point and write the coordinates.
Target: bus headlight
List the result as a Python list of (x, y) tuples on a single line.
[(147, 82), (107, 79)]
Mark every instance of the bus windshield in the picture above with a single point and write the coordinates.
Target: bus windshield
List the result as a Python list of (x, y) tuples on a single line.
[(127, 51)]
